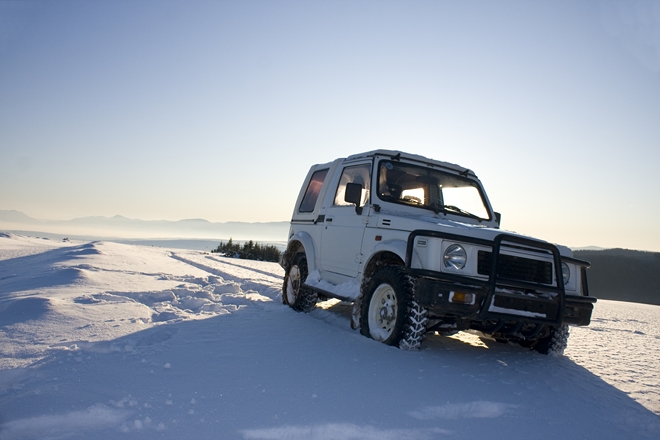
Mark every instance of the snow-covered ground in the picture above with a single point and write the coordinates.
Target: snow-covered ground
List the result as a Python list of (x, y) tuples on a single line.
[(107, 340)]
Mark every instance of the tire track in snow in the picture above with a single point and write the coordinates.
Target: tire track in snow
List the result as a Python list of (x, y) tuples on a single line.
[(268, 288), (228, 263), (270, 285)]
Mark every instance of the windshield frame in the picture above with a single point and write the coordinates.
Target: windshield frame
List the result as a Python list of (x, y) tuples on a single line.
[(432, 177)]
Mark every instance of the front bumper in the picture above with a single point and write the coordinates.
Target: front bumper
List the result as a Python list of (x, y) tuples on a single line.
[(498, 298), (435, 295)]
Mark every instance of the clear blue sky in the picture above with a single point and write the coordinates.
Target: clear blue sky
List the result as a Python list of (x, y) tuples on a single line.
[(216, 110)]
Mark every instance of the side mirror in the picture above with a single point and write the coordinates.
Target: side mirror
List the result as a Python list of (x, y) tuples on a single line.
[(353, 195), (498, 218)]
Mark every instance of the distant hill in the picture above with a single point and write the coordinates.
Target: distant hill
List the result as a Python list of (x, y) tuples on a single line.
[(16, 216), (623, 274)]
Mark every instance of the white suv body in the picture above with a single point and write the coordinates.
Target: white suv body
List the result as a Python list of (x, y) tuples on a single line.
[(415, 245)]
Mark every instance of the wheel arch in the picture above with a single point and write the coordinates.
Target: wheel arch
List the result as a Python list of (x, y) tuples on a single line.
[(300, 242), (392, 253)]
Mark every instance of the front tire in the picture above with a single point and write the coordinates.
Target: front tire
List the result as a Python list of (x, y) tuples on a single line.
[(390, 313), (293, 292)]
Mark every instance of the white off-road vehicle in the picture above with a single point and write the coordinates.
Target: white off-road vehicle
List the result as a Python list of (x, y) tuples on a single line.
[(414, 244)]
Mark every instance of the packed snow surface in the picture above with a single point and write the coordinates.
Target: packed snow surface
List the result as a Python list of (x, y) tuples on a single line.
[(105, 340), (349, 290)]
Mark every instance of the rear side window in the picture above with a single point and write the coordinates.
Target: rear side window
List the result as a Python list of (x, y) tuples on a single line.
[(313, 190)]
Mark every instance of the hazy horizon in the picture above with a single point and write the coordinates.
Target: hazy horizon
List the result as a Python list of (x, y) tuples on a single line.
[(64, 219), (120, 227), (244, 231)]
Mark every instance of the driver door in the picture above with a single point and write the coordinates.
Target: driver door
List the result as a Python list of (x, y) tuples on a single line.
[(341, 238)]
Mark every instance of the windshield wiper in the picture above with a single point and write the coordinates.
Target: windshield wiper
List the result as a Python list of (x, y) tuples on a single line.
[(445, 208)]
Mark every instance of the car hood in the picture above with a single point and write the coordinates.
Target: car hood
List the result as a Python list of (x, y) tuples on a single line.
[(452, 226)]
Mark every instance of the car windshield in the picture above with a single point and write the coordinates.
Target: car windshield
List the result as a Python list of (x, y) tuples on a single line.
[(430, 188)]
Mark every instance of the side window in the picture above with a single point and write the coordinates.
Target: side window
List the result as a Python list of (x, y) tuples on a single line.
[(313, 189), (357, 174)]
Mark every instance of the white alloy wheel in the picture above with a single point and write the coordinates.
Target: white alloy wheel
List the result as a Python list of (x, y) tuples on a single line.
[(383, 311), (389, 311), (293, 284)]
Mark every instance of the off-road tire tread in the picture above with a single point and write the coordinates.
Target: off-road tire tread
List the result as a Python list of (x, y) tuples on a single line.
[(410, 334), (415, 329), (306, 299)]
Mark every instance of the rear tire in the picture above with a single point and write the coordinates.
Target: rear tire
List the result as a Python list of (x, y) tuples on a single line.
[(293, 294), (555, 343), (390, 313)]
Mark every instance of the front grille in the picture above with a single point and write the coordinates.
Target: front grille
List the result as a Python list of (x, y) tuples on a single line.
[(516, 268)]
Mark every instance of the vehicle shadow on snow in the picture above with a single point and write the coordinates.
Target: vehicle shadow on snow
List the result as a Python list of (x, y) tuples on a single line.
[(266, 372)]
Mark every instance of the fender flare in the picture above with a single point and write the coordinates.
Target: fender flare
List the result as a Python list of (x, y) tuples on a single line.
[(308, 245), (397, 247)]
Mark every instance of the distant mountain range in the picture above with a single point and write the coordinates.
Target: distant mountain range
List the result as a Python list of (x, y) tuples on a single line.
[(122, 227)]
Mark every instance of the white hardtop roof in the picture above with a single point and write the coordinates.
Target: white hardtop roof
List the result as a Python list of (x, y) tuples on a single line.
[(412, 157)]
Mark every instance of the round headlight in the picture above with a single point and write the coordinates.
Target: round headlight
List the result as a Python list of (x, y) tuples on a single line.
[(455, 257), (566, 272)]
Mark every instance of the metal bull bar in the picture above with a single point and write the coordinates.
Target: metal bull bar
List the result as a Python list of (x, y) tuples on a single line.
[(494, 280)]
